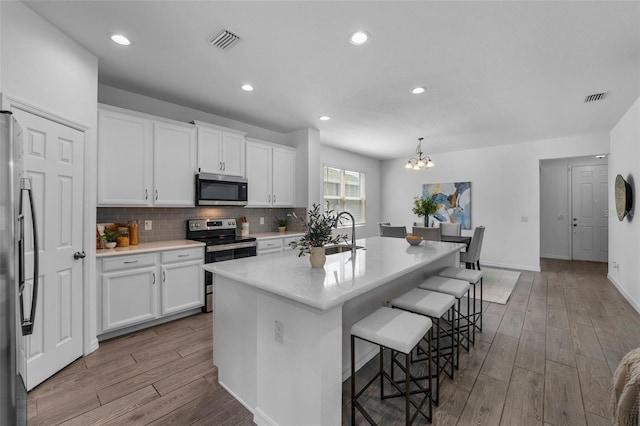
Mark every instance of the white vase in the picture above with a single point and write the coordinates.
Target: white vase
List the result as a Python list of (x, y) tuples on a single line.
[(318, 257)]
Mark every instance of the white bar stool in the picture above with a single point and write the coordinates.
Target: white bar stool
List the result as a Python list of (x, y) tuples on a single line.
[(435, 306), (401, 332), (474, 278), (457, 289)]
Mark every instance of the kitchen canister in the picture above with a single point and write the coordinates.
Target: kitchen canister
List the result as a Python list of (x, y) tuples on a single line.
[(244, 231), (133, 232)]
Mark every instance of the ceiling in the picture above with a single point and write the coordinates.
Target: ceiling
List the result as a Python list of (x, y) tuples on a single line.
[(495, 72)]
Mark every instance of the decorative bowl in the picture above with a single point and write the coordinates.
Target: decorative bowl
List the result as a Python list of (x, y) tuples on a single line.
[(111, 244), (414, 240)]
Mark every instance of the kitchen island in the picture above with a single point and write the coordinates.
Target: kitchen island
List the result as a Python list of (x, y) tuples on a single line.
[(281, 328)]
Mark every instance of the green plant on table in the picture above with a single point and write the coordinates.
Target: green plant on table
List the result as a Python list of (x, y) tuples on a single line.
[(424, 207), (318, 230)]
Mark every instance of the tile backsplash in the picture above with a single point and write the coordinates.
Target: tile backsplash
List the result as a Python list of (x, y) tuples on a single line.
[(170, 223)]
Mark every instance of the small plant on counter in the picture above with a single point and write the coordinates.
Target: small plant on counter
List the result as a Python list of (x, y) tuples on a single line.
[(424, 207), (282, 222), (318, 229), (110, 235)]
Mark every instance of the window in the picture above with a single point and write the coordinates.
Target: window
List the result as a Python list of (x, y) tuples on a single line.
[(345, 190)]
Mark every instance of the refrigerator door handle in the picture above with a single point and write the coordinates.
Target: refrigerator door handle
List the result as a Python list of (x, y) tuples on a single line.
[(27, 323)]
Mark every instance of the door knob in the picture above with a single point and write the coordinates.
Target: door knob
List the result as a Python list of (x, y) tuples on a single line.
[(79, 255)]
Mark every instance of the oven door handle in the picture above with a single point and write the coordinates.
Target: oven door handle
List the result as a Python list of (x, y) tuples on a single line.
[(224, 247)]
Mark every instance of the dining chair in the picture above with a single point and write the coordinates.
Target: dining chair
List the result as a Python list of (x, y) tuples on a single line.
[(393, 231), (380, 225), (471, 258), (454, 229), (431, 234)]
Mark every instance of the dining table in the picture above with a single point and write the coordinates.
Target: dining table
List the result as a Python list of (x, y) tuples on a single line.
[(456, 239)]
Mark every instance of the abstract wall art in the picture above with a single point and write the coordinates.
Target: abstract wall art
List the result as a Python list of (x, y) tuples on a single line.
[(454, 201)]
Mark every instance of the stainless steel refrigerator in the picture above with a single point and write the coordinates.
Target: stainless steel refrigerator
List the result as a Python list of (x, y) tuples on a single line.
[(16, 201)]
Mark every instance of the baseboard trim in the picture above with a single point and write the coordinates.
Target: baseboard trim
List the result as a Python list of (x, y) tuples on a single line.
[(261, 419), (510, 266), (624, 293), (555, 256), (237, 398)]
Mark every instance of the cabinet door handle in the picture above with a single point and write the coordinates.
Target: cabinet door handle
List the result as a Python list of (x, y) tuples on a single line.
[(274, 198), (146, 194), (224, 166), (269, 198), (130, 261), (154, 279), (220, 166), (156, 194), (164, 276)]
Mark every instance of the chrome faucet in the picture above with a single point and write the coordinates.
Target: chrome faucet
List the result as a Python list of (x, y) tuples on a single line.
[(353, 230)]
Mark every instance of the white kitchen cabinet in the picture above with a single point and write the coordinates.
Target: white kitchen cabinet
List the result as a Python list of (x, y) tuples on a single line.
[(269, 245), (174, 157), (144, 160), (144, 288), (271, 174), (220, 150), (182, 280), (128, 291), (124, 159)]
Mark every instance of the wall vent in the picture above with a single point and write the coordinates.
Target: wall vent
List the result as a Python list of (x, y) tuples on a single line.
[(225, 39), (595, 97)]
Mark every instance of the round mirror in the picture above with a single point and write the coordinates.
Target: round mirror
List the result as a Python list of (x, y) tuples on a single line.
[(624, 197)]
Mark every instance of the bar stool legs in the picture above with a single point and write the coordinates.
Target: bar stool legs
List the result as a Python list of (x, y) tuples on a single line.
[(399, 332)]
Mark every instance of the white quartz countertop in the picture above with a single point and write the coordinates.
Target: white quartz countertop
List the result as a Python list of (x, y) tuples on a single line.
[(149, 247), (260, 235), (287, 275)]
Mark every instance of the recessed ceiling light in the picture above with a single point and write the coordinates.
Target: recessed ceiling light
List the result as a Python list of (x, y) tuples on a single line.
[(358, 38), (417, 90), (120, 39), (324, 118), (247, 87)]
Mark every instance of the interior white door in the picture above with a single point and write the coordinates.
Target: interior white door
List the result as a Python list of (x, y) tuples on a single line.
[(589, 212), (54, 160)]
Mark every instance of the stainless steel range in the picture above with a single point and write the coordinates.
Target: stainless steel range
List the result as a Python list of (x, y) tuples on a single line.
[(222, 244)]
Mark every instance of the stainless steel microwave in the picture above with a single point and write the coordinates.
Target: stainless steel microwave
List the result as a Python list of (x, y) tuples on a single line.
[(220, 190)]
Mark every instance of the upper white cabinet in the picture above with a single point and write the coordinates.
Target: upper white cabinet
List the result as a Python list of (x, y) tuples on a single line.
[(174, 156), (143, 161), (124, 159), (220, 150), (271, 174)]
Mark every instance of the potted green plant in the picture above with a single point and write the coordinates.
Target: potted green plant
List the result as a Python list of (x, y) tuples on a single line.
[(282, 224), (318, 228), (424, 207), (110, 236)]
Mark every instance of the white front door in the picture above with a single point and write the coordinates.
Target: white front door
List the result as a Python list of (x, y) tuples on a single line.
[(589, 218), (54, 160)]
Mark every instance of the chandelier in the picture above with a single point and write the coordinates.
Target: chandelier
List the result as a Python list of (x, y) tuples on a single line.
[(421, 162)]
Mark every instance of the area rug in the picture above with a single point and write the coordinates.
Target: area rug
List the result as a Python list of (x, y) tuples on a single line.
[(497, 285)]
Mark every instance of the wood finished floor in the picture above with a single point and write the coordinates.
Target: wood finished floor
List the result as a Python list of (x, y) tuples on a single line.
[(544, 358)]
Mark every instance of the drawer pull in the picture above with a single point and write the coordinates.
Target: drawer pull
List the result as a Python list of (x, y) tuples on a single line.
[(183, 255), (130, 261)]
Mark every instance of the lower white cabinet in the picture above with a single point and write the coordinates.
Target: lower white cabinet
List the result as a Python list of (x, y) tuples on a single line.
[(182, 281), (274, 244), (136, 288)]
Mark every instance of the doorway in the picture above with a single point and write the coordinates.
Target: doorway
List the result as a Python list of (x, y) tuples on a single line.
[(559, 239)]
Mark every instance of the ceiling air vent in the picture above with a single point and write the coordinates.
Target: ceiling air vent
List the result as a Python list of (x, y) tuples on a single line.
[(595, 97), (224, 39)]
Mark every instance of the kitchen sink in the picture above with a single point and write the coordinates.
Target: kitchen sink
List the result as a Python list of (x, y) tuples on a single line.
[(339, 248)]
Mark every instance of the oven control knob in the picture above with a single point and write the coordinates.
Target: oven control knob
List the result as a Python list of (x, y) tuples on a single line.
[(197, 225)]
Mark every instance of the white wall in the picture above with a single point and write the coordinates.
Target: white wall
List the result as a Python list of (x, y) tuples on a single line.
[(358, 163), (45, 69), (505, 195), (555, 204), (624, 237)]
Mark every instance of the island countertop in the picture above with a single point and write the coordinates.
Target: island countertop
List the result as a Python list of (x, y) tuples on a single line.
[(342, 278)]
